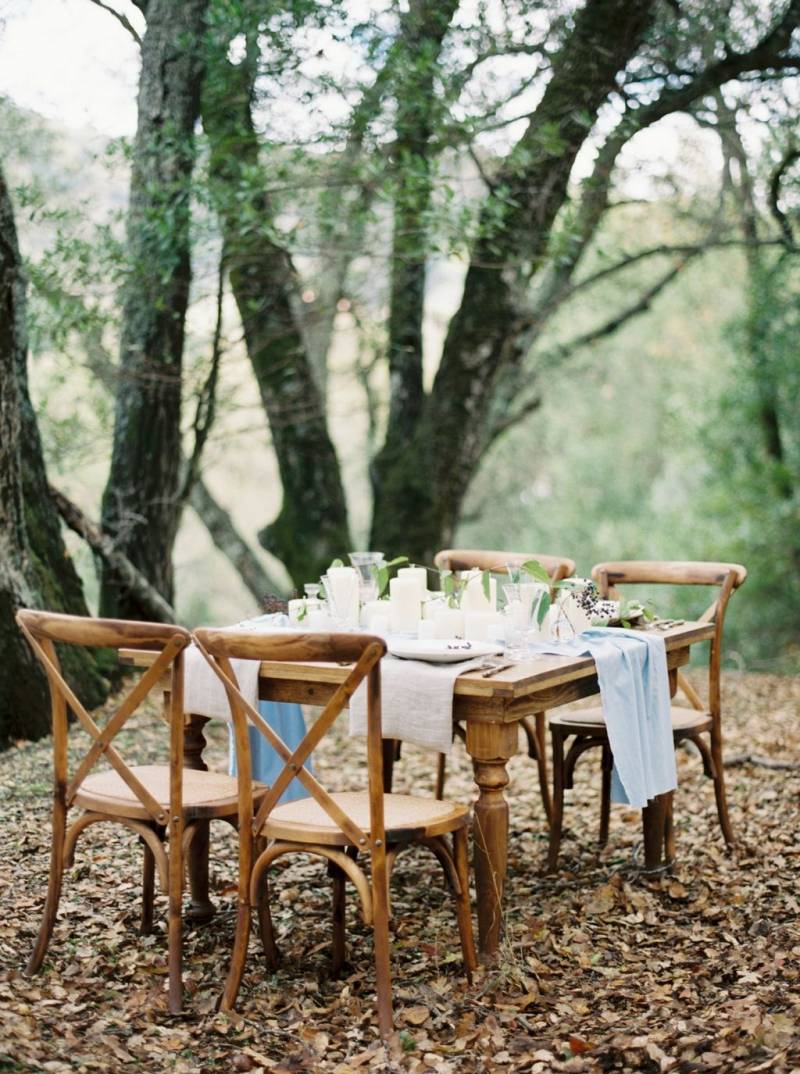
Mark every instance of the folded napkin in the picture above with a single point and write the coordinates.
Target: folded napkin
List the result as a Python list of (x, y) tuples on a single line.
[(416, 702), (634, 691), (203, 692)]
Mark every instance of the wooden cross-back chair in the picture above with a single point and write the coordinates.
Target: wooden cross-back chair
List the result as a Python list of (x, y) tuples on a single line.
[(534, 726), (338, 827), (161, 804), (695, 721)]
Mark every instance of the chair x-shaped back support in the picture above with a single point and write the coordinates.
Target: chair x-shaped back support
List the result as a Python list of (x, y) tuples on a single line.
[(365, 651), (143, 813)]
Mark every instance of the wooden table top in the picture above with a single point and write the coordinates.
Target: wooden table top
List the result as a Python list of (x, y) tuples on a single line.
[(528, 676)]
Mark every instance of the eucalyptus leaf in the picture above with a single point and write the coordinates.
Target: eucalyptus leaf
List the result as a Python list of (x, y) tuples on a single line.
[(536, 571), (336, 563), (486, 582), (544, 607)]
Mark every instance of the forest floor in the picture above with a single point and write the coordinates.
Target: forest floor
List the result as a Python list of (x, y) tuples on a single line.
[(601, 969)]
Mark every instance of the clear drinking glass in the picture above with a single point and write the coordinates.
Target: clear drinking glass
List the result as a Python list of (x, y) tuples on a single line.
[(367, 564), (521, 616), (341, 594)]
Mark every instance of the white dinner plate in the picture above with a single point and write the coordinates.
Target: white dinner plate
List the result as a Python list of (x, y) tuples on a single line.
[(441, 650)]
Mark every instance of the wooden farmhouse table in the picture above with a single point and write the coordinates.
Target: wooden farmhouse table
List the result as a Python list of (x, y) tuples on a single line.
[(490, 710)]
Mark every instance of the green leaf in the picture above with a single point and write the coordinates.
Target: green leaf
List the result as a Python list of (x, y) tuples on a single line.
[(486, 582), (336, 563), (536, 571), (302, 613), (544, 607), (382, 578)]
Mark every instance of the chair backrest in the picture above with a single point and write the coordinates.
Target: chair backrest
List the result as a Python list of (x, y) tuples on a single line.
[(46, 629), (364, 651), (725, 576), (464, 559)]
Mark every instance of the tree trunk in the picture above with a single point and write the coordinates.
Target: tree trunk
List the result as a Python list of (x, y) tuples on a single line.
[(418, 501), (422, 33), (35, 569), (140, 503), (311, 528)]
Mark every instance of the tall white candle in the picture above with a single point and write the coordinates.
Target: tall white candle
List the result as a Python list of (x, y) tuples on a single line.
[(474, 598), (420, 575), (404, 605)]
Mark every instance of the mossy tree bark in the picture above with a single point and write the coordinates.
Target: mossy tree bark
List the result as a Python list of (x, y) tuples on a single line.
[(311, 528), (419, 498), (141, 507), (35, 569), (420, 43)]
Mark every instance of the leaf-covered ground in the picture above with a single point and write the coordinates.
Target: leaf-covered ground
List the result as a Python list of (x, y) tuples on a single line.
[(601, 969)]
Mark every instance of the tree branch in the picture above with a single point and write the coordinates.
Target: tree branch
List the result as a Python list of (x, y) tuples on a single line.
[(205, 411), (230, 542), (789, 157), (121, 19), (129, 576)]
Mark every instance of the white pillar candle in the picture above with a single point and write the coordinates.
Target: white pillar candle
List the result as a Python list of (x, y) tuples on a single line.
[(448, 623), (379, 623), (405, 604), (371, 609), (474, 598), (476, 625), (420, 575), (343, 582), (427, 629)]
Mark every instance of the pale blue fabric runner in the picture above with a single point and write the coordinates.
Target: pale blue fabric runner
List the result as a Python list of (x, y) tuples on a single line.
[(286, 720), (634, 691)]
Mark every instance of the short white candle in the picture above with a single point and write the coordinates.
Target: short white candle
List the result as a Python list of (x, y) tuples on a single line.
[(448, 623), (318, 620), (404, 605), (427, 629), (296, 609), (476, 625), (474, 598), (371, 609), (420, 575), (379, 623)]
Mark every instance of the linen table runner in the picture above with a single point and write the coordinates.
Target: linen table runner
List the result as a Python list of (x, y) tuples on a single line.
[(634, 692), (416, 702)]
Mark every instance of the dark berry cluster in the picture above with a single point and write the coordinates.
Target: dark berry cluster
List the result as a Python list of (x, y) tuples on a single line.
[(589, 601)]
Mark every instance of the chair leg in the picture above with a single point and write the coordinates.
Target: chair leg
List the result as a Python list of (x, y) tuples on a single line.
[(607, 763), (148, 883), (463, 906), (174, 922), (239, 956), (53, 891), (719, 790), (669, 832), (265, 929), (541, 763), (556, 820), (380, 930), (338, 948), (441, 775)]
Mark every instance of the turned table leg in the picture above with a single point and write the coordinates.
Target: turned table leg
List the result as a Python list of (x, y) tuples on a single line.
[(490, 745), (657, 834), (201, 907)]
